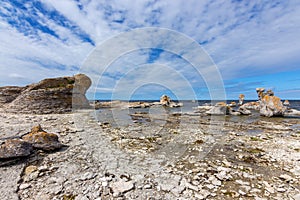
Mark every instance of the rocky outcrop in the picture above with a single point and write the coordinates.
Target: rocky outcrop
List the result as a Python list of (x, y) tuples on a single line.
[(286, 103), (165, 100), (271, 106), (241, 99), (251, 106), (260, 93), (53, 95), (9, 93)]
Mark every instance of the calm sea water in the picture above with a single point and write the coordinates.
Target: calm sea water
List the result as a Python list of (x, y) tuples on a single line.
[(121, 117)]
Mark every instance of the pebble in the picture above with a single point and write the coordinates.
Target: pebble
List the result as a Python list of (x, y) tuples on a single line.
[(24, 186), (88, 176)]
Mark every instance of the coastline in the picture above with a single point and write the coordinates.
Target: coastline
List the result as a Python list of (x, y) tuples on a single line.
[(174, 157)]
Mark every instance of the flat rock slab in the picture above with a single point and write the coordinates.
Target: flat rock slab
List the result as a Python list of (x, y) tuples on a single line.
[(9, 178)]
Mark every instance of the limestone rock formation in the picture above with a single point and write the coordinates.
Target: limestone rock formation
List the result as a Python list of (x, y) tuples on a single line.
[(260, 93), (241, 99), (286, 103), (271, 106), (251, 106), (52, 95), (40, 139), (165, 100), (220, 108), (9, 93)]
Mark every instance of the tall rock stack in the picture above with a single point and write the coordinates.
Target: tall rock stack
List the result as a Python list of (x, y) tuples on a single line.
[(241, 99), (52, 95)]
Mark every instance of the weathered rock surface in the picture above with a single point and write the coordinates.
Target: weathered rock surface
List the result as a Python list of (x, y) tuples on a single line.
[(271, 106), (13, 148), (219, 109), (241, 99), (244, 111), (9, 93), (251, 106), (42, 140), (165, 100), (53, 95)]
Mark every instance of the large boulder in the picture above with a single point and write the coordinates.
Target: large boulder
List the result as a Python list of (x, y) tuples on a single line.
[(52, 95), (271, 106)]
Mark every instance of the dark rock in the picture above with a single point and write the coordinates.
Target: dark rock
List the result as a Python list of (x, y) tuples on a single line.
[(9, 93), (42, 140), (13, 148)]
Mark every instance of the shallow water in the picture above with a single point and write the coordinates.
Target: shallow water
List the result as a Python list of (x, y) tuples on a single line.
[(118, 117)]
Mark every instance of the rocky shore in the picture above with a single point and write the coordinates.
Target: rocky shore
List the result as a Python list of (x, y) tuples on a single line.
[(166, 155), (178, 159)]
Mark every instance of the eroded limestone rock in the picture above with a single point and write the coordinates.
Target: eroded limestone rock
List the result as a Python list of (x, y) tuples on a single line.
[(40, 139)]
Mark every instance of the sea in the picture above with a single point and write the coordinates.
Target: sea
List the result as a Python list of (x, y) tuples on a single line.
[(123, 117)]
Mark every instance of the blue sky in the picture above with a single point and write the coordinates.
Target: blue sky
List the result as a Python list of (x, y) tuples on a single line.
[(252, 44)]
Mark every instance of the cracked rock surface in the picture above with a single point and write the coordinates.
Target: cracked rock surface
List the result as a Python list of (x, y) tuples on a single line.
[(181, 158)]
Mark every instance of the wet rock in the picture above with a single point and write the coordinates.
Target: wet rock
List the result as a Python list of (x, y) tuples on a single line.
[(271, 106), (244, 111), (13, 148), (42, 140)]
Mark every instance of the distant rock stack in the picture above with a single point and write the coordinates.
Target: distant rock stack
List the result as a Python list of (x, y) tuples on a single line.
[(241, 99), (260, 93), (270, 105), (52, 95), (165, 100)]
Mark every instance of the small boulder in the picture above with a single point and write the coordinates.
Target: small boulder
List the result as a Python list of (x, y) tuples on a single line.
[(40, 139), (251, 106), (244, 111), (260, 93), (219, 109), (13, 148), (286, 103)]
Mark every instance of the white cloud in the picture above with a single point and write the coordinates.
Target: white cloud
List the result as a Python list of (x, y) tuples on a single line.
[(244, 38)]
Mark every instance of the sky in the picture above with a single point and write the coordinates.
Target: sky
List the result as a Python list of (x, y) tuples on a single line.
[(141, 49)]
